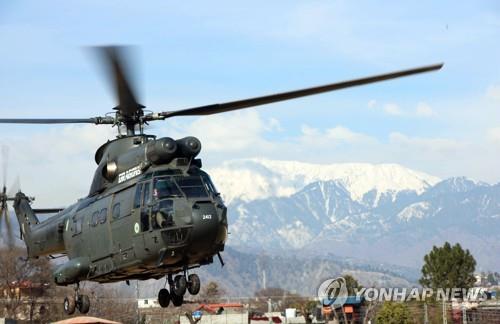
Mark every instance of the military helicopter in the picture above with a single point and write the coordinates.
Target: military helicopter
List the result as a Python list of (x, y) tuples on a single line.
[(151, 212)]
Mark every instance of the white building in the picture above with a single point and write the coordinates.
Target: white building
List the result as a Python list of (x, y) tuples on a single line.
[(148, 303)]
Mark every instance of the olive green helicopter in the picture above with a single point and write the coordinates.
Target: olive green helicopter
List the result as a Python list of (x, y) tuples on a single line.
[(151, 212)]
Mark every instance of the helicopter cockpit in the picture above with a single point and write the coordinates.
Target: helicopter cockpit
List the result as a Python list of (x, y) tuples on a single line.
[(167, 188)]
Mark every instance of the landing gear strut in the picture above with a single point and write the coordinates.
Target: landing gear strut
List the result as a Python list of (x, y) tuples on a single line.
[(78, 301), (178, 287)]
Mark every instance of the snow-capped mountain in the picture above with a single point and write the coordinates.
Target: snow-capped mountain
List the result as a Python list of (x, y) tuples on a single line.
[(386, 213), (252, 179)]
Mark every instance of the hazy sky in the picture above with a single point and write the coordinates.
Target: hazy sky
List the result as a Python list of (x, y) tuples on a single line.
[(445, 123)]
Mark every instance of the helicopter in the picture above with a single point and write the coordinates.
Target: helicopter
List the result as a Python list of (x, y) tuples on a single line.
[(152, 212)]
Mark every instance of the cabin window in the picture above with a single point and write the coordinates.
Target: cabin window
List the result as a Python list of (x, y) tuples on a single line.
[(102, 215), (95, 218), (147, 197), (137, 199), (77, 225), (116, 211)]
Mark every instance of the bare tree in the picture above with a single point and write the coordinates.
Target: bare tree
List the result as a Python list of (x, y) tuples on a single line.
[(108, 301), (212, 292), (17, 270)]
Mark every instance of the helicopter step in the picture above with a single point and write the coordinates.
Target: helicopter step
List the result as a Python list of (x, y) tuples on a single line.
[(178, 287), (78, 301)]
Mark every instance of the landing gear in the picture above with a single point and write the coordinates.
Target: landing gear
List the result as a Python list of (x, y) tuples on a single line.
[(178, 287), (80, 302), (69, 305), (177, 300), (83, 304), (163, 297), (193, 284)]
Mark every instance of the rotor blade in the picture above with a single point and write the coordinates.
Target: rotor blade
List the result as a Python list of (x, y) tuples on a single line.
[(15, 187), (47, 210), (1, 217), (114, 59), (5, 158), (48, 120), (252, 102), (8, 225)]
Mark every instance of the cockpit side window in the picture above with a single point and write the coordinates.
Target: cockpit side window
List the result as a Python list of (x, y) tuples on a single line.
[(209, 184), (137, 198), (146, 194)]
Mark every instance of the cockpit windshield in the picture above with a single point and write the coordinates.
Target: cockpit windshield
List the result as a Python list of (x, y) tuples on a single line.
[(165, 187), (191, 186), (209, 184)]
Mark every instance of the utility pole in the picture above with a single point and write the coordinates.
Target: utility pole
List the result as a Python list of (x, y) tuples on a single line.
[(445, 319), (426, 314), (269, 310), (464, 314), (137, 301), (32, 301)]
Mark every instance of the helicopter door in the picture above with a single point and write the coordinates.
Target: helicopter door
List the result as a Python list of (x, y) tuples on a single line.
[(146, 208), (141, 215), (123, 226), (150, 237)]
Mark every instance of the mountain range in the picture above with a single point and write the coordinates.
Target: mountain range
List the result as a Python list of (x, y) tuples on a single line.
[(383, 213)]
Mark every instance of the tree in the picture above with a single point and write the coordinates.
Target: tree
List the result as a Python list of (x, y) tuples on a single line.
[(211, 292), (306, 308), (352, 285), (271, 292), (393, 313), (16, 269), (492, 280), (448, 267)]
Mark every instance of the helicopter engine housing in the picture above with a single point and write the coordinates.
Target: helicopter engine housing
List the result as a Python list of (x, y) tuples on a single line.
[(161, 151)]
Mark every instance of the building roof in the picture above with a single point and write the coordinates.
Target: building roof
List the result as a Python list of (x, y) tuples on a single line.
[(86, 320), (213, 308), (351, 300), (274, 319)]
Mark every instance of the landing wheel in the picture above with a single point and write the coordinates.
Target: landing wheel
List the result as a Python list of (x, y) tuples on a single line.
[(83, 304), (193, 284), (177, 300), (163, 297), (179, 286), (69, 305)]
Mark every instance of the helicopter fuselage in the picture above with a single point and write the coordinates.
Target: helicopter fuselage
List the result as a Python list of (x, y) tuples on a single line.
[(148, 220)]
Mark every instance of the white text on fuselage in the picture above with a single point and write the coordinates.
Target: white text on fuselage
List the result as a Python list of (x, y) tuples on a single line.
[(129, 174)]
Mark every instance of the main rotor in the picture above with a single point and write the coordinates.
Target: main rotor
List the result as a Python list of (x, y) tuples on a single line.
[(129, 113)]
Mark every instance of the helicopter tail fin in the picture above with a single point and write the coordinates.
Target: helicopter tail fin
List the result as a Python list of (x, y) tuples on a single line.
[(26, 218)]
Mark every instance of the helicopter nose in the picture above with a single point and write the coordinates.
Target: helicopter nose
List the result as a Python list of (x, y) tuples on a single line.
[(205, 225)]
